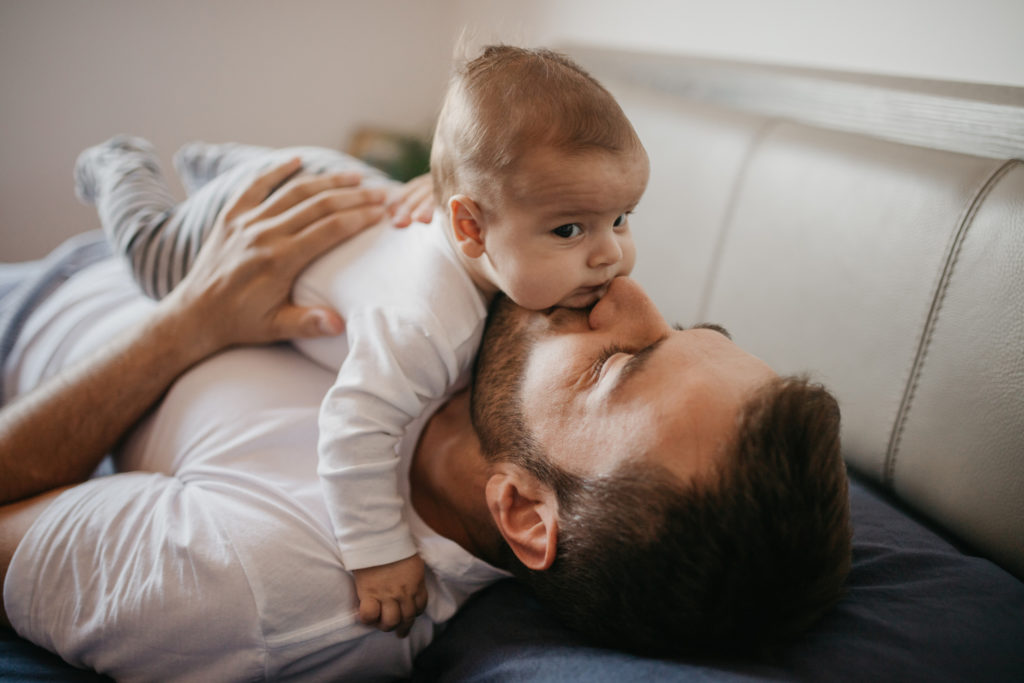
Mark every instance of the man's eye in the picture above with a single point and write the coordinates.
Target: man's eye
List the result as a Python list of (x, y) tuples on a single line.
[(620, 220), (602, 358), (568, 230)]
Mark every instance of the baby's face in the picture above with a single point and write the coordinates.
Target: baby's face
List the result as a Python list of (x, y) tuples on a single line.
[(561, 233)]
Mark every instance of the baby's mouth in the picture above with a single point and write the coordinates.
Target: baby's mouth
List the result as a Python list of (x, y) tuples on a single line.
[(585, 297)]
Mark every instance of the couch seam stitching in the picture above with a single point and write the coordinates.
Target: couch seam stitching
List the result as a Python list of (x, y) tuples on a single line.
[(964, 223), (718, 251)]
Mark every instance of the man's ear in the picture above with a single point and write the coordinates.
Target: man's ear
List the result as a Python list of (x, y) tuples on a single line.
[(526, 513), (467, 225)]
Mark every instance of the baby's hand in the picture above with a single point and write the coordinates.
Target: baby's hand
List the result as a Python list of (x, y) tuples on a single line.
[(392, 595), (413, 201)]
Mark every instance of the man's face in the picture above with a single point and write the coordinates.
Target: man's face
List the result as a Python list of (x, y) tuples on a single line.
[(616, 383)]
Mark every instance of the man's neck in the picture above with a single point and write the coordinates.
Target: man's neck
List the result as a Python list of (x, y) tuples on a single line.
[(447, 481)]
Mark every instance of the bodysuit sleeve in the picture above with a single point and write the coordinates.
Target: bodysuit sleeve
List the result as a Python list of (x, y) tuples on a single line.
[(397, 364)]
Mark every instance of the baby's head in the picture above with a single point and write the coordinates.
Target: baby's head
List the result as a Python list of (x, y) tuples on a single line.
[(537, 168)]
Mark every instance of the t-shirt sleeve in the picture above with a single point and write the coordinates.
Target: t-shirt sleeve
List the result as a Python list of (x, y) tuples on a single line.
[(110, 575), (205, 578), (396, 366)]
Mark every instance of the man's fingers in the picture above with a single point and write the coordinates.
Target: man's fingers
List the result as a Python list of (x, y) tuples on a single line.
[(331, 230), (257, 191), (298, 322), (420, 599), (328, 202), (299, 189)]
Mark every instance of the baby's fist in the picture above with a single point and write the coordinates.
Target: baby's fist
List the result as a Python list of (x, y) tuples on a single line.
[(391, 596)]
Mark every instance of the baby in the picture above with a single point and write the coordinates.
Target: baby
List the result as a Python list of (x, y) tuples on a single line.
[(535, 169)]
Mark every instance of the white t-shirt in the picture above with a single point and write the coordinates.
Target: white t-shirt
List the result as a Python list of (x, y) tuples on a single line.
[(217, 561)]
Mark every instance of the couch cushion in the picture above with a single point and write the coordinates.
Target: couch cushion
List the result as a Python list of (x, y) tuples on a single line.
[(697, 152), (831, 261), (957, 455)]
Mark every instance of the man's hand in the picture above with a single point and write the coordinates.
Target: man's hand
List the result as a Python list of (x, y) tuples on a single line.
[(391, 596), (240, 285), (413, 201), (238, 292)]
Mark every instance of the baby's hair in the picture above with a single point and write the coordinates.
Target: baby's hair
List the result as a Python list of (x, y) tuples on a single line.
[(510, 100)]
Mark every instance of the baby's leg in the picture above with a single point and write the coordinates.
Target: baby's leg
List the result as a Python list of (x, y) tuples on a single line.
[(198, 163), (159, 237)]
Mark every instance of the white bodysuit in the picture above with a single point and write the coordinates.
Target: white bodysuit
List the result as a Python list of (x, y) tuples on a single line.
[(413, 320)]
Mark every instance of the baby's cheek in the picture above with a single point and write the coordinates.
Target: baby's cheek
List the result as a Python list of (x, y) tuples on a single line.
[(544, 288), (628, 257), (529, 293)]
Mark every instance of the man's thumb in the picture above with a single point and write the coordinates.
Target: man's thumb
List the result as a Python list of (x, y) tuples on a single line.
[(313, 322)]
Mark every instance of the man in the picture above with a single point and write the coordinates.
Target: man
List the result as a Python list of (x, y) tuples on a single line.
[(660, 488)]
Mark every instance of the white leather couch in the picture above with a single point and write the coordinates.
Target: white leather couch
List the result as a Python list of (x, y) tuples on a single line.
[(894, 272)]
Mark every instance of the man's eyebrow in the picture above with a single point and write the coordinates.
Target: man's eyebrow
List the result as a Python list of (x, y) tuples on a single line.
[(705, 326), (636, 363)]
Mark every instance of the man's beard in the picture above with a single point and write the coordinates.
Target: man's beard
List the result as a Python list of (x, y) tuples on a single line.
[(497, 401), (497, 383)]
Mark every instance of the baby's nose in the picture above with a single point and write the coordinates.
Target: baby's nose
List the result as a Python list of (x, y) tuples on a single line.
[(608, 252)]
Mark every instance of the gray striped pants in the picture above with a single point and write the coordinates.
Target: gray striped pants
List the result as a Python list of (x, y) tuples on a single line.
[(160, 237)]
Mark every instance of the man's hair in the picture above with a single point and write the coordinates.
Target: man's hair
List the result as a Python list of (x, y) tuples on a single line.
[(509, 100), (739, 562)]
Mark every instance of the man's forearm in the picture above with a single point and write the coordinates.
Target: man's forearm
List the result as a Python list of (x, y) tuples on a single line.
[(237, 292), (58, 433)]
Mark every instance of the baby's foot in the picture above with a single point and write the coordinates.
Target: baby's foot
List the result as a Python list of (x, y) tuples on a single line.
[(110, 161), (195, 165), (198, 163)]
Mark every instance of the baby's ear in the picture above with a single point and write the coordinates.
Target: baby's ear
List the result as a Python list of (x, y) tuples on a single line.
[(467, 225)]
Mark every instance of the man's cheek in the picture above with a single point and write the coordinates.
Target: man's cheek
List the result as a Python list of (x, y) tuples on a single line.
[(542, 380)]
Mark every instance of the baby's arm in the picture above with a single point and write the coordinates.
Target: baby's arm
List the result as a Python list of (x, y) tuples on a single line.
[(395, 368)]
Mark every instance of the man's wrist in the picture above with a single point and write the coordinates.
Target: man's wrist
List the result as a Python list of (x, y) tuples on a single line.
[(184, 331)]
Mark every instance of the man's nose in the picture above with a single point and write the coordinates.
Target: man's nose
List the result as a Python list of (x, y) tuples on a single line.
[(606, 252), (625, 304)]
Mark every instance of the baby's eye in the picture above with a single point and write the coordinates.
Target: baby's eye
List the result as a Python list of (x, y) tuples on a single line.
[(568, 230), (620, 220)]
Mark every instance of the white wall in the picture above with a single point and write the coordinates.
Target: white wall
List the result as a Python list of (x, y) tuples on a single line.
[(971, 40), (310, 71), (260, 71)]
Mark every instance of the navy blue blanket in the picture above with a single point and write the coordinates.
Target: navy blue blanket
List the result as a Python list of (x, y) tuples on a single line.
[(917, 609)]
